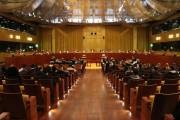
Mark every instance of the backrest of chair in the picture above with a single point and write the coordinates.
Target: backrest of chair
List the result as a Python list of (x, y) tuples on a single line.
[(45, 65), (71, 71), (47, 83), (0, 81), (12, 81), (77, 66), (173, 76), (145, 78), (25, 76), (171, 81), (11, 88), (66, 65), (62, 76), (158, 77), (56, 78), (13, 103), (154, 81), (126, 78), (164, 104), (56, 65), (145, 90), (36, 78), (169, 88), (135, 83), (146, 74), (28, 81), (2, 77), (34, 90)]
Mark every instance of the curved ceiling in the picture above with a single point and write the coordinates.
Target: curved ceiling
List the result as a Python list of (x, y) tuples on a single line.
[(125, 12)]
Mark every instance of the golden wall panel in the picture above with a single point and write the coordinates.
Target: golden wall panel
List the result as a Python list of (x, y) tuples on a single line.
[(118, 38), (142, 38), (46, 39), (93, 41), (69, 37)]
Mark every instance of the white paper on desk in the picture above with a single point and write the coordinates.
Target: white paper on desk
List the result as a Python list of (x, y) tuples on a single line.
[(103, 54)]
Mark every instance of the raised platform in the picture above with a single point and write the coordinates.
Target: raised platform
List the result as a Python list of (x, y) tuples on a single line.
[(41, 59)]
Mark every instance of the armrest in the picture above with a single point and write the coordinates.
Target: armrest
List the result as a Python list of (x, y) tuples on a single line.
[(56, 92), (145, 99), (125, 84), (169, 117), (46, 99), (5, 116), (133, 91), (31, 99), (133, 100), (145, 111), (31, 108)]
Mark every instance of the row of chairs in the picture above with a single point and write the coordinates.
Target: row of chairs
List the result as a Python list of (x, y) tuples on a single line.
[(22, 101), (153, 97)]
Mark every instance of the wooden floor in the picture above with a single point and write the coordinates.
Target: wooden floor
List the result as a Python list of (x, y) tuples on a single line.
[(92, 98)]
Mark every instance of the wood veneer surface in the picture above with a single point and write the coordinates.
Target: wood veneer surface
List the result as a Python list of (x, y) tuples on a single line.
[(91, 98)]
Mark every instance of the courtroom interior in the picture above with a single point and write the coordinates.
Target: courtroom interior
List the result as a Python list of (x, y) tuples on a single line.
[(89, 59)]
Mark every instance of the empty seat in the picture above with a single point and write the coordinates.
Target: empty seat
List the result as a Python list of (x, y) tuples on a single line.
[(42, 95), (154, 81), (137, 93), (155, 107), (61, 85), (126, 88), (54, 90), (18, 107)]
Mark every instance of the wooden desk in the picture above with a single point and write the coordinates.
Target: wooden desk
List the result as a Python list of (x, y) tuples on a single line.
[(42, 59)]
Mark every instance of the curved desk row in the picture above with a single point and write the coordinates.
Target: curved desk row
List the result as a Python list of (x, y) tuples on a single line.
[(45, 58)]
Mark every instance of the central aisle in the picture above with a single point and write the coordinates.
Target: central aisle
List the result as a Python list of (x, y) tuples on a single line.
[(92, 98)]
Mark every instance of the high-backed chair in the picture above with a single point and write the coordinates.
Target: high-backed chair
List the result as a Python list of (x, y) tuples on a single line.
[(12, 88), (78, 67), (56, 65), (169, 88), (158, 77), (25, 76), (28, 81), (171, 81), (66, 81), (126, 88), (124, 80), (154, 81), (18, 107), (172, 76), (11, 81), (61, 85), (137, 93), (42, 95), (145, 78), (155, 108), (54, 90)]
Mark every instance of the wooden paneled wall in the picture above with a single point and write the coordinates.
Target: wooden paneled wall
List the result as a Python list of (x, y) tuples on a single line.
[(69, 38), (142, 38), (95, 40), (107, 37), (118, 38), (46, 39)]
